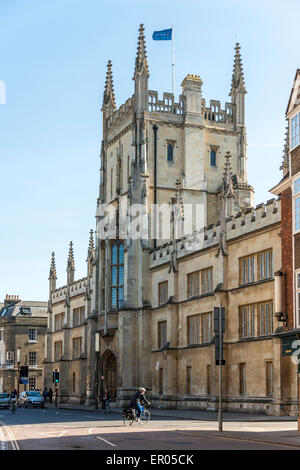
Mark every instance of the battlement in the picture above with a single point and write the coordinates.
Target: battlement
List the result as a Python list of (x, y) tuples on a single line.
[(215, 114), (78, 287), (240, 224), (166, 105), (120, 114)]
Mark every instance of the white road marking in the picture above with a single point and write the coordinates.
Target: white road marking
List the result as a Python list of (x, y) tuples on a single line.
[(92, 417), (60, 434), (101, 438), (107, 442)]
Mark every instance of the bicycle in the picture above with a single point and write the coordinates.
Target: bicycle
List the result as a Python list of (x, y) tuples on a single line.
[(129, 416)]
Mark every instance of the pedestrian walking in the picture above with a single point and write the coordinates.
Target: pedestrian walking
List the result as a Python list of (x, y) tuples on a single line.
[(102, 401), (13, 399), (107, 399), (50, 394), (45, 394)]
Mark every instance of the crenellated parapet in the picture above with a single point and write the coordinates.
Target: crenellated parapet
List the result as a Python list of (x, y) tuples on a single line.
[(76, 288), (216, 114), (166, 105), (121, 114), (242, 223)]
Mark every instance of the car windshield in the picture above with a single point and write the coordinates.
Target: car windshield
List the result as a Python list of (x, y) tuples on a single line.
[(33, 394), (4, 395)]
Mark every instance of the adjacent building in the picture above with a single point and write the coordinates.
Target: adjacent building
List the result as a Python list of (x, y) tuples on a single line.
[(288, 277), (23, 326)]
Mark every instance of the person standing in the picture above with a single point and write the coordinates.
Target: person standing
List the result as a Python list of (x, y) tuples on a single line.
[(107, 399), (45, 394), (50, 394), (13, 399)]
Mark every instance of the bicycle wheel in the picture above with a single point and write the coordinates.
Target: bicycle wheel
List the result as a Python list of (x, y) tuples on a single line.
[(145, 416), (127, 420)]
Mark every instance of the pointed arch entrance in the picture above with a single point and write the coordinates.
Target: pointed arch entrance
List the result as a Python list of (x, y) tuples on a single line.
[(109, 372)]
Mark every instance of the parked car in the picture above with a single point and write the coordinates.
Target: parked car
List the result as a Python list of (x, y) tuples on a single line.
[(4, 400), (31, 398)]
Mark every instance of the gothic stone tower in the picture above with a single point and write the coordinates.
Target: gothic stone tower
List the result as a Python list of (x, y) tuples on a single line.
[(150, 148)]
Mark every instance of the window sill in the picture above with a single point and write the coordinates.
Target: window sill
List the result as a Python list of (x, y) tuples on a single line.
[(255, 283)]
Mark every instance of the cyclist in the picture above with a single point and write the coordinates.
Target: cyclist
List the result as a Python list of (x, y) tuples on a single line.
[(138, 400)]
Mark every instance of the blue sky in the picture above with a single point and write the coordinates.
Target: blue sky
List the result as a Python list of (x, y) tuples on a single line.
[(53, 56)]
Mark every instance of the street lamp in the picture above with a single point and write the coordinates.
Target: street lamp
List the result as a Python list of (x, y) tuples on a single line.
[(18, 361)]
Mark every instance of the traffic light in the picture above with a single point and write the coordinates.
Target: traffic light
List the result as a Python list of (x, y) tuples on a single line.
[(219, 330), (217, 320), (218, 342), (56, 377)]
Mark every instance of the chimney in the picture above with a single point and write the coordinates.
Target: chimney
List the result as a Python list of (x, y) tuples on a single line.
[(11, 299)]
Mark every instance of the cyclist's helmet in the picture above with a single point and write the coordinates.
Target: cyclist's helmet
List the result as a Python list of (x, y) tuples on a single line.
[(142, 389)]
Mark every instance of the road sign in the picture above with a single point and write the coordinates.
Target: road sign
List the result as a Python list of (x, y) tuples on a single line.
[(24, 380), (24, 371)]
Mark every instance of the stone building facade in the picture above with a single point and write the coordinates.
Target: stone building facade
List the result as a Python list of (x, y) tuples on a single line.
[(23, 326), (177, 233)]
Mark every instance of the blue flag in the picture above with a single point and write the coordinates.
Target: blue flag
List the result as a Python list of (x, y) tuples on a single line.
[(165, 35)]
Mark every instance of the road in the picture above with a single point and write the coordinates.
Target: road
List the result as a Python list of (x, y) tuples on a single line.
[(51, 429)]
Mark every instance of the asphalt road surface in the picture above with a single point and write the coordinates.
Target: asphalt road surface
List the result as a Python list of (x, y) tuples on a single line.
[(51, 429)]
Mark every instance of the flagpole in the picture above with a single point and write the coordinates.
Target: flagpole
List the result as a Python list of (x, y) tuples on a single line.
[(173, 63)]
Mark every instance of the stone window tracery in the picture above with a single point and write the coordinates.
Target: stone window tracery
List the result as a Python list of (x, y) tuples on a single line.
[(117, 275)]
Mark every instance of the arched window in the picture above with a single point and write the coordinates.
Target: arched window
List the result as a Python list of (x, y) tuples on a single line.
[(117, 275), (213, 159), (170, 153)]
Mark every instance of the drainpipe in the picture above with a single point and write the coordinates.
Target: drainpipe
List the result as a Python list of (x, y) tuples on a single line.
[(155, 129)]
